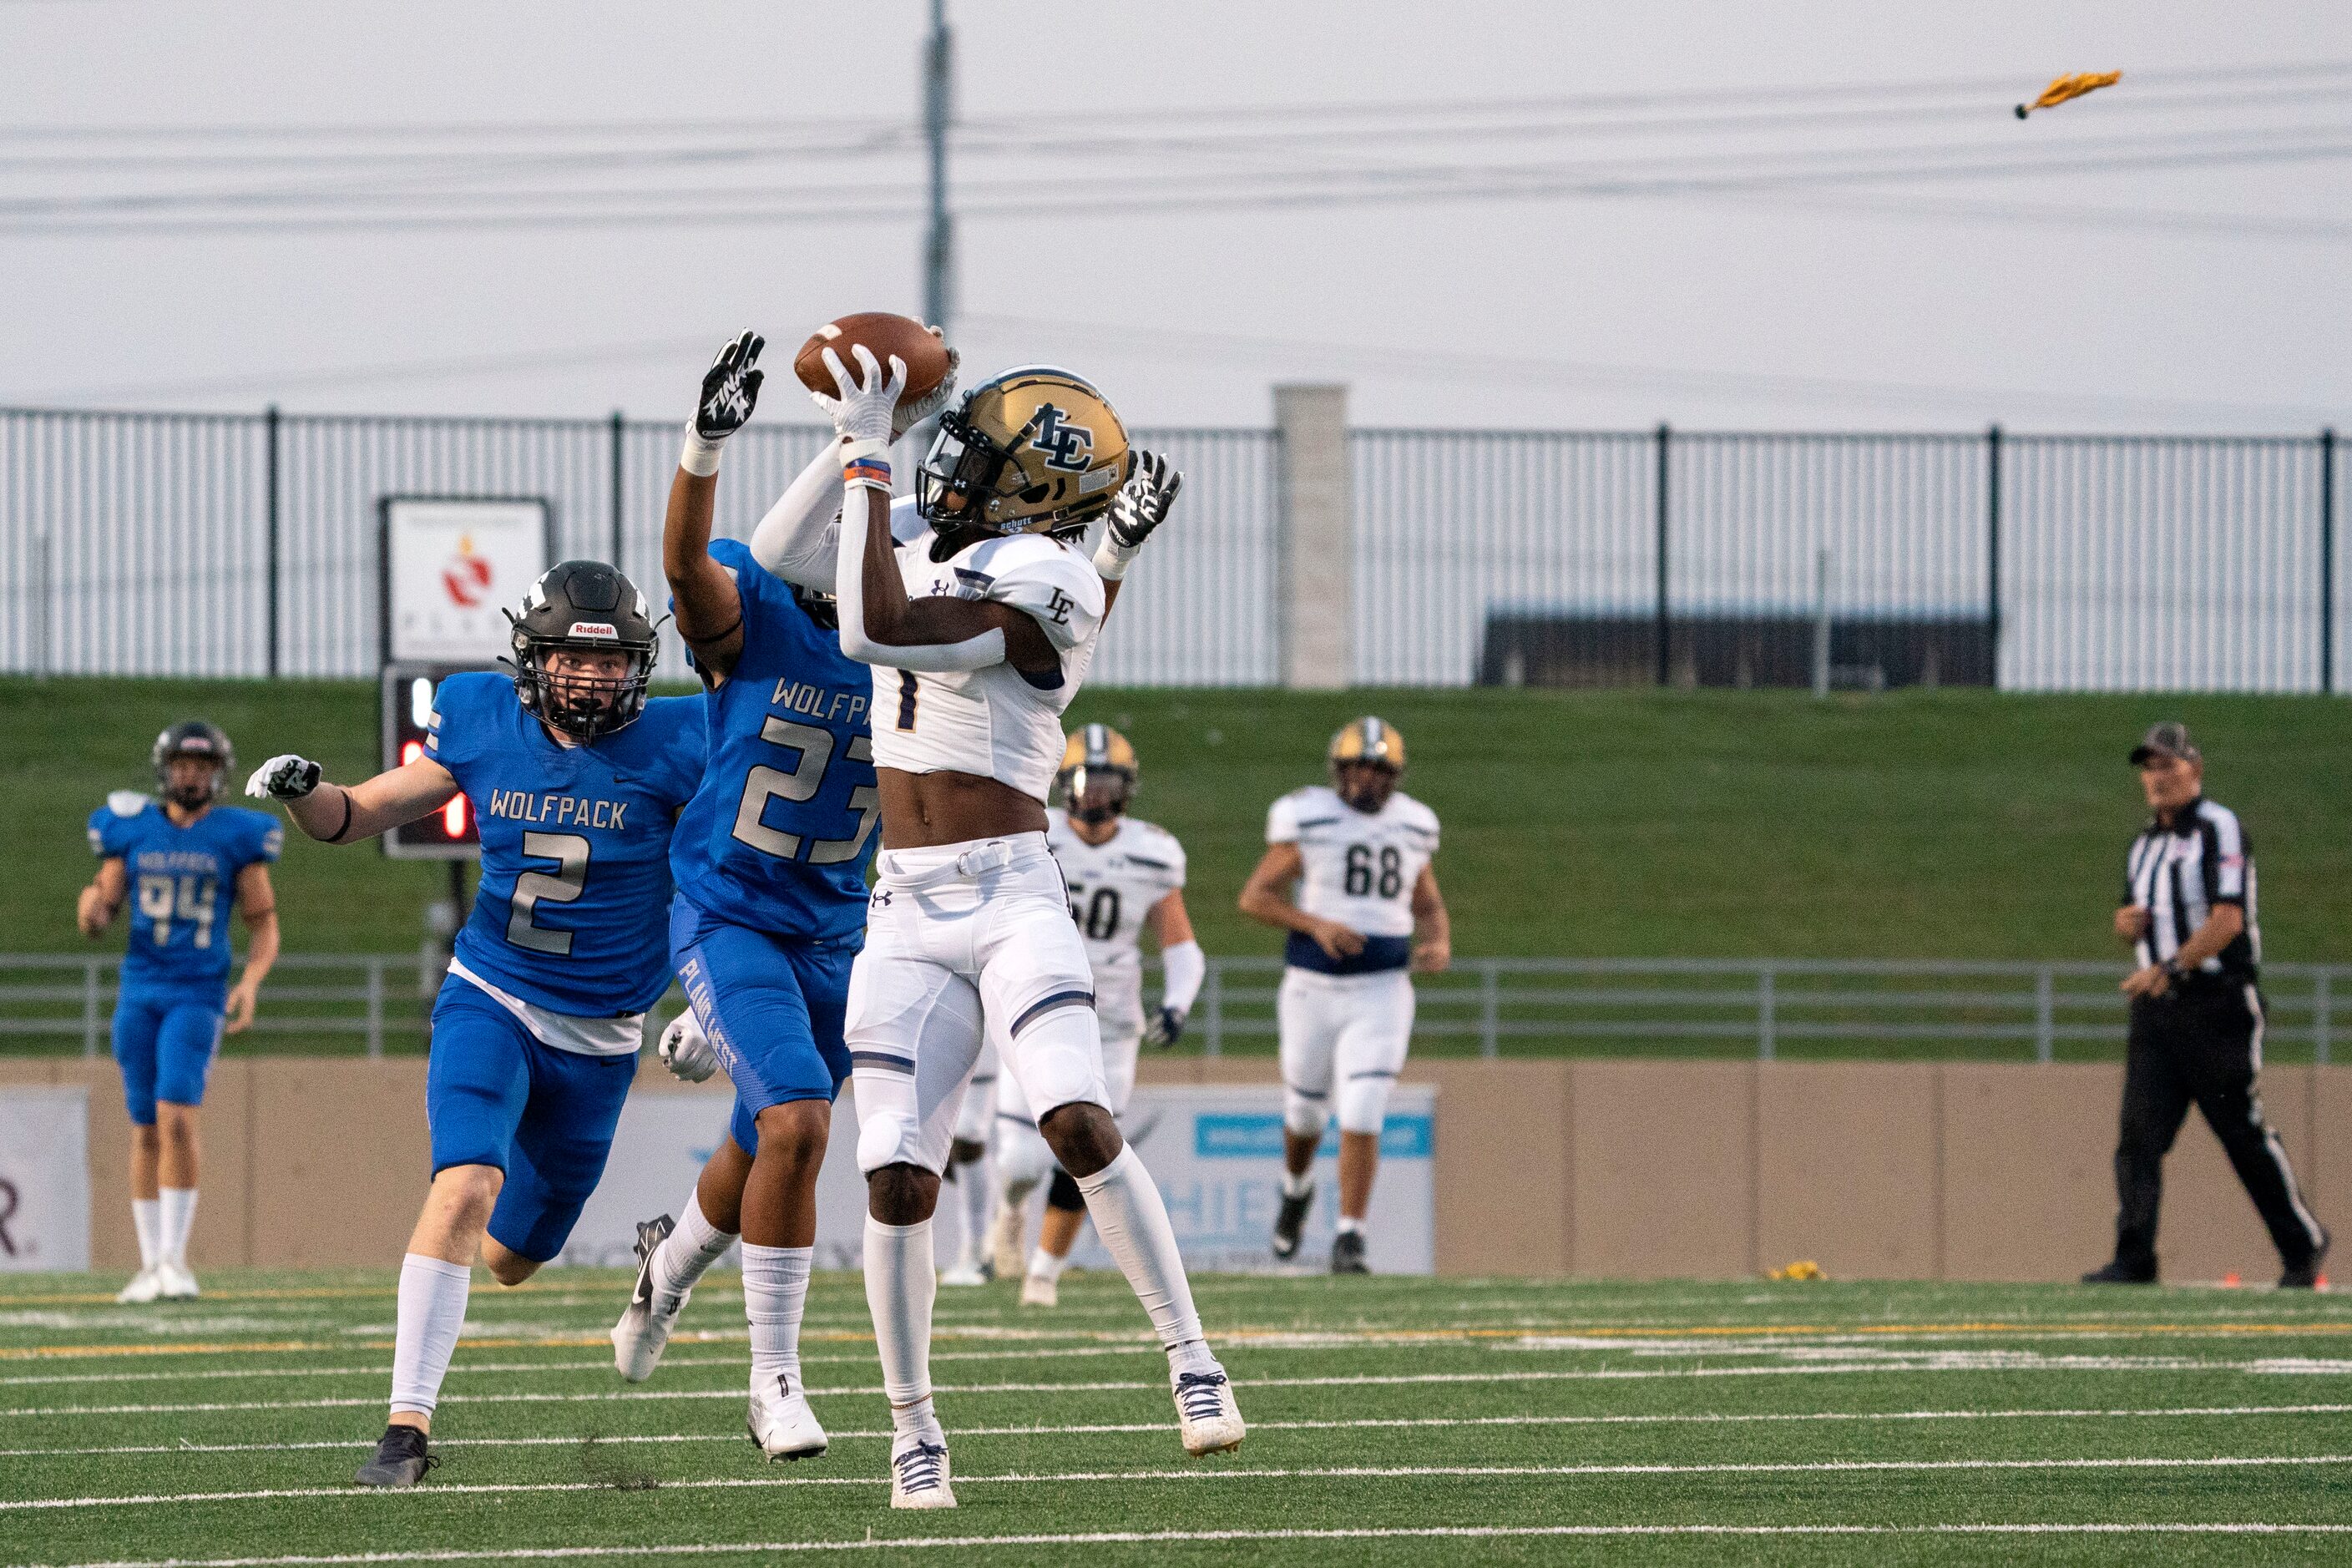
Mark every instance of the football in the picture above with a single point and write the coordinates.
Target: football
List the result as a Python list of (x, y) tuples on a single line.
[(883, 334)]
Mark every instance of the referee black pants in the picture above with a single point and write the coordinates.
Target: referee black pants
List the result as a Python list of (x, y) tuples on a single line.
[(2200, 1044)]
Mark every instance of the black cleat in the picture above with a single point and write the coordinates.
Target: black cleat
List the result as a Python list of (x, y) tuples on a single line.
[(2121, 1273), (2305, 1276), (400, 1459), (1291, 1223), (1348, 1253)]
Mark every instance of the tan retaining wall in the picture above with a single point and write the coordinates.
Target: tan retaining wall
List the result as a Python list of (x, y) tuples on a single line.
[(1629, 1169)]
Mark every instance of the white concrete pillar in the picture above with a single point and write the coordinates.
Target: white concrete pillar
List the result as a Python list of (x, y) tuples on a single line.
[(1317, 602)]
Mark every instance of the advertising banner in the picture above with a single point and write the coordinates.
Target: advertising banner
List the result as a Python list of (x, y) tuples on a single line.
[(44, 1179), (452, 566)]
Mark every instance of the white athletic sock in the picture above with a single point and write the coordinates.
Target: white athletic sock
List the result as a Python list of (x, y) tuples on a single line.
[(1351, 1226), (1045, 1265), (975, 1184), (1298, 1186), (900, 1286), (1132, 1221), (692, 1248), (179, 1216), (775, 1291), (147, 1219), (431, 1311)]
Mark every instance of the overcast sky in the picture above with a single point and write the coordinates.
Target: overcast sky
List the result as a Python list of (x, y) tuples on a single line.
[(1156, 204)]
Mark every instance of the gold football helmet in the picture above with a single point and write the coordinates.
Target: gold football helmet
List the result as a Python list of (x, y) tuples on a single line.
[(1035, 450), (1097, 774), (1368, 739)]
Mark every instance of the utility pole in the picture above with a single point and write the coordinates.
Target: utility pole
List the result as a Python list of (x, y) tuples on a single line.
[(939, 246)]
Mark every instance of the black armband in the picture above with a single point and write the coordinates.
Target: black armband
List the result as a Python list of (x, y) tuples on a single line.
[(345, 825)]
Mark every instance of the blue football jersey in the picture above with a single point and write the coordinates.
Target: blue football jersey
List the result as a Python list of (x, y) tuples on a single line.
[(182, 881), (573, 913), (779, 835)]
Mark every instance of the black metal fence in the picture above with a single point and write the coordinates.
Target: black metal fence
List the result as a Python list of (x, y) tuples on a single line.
[(211, 544)]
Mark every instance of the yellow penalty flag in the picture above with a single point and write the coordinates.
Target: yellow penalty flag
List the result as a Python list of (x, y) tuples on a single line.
[(2067, 86)]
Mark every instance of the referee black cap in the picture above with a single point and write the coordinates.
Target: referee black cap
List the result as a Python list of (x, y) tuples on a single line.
[(2169, 739)]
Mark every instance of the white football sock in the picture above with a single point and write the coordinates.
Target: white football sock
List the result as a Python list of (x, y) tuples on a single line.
[(977, 1189), (775, 1291), (690, 1250), (431, 1311), (1351, 1226), (900, 1286), (179, 1215), (147, 1219), (1045, 1265), (1132, 1221), (1300, 1186)]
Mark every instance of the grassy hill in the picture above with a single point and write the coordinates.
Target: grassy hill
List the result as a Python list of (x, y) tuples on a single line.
[(1928, 824)]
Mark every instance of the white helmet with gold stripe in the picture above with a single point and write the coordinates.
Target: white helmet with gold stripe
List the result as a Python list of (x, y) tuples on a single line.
[(1035, 450), (1097, 774)]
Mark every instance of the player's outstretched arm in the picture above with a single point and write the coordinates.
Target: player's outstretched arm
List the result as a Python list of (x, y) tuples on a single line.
[(1182, 967), (256, 902), (1432, 928), (344, 814), (709, 610), (1265, 898), (100, 901)]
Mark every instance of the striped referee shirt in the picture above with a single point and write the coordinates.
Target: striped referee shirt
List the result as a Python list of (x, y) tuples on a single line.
[(2178, 874)]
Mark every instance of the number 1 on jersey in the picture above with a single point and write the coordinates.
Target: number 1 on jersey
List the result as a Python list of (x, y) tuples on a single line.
[(906, 699)]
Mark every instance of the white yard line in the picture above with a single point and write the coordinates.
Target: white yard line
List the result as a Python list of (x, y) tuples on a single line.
[(1152, 1537), (1361, 1424), (1206, 1473), (1943, 1364)]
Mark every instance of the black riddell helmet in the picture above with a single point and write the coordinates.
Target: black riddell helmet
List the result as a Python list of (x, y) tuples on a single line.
[(582, 607), (819, 606), (194, 738)]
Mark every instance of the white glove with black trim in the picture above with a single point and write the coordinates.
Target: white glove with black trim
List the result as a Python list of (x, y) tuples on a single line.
[(869, 402), (731, 390), (685, 1050), (1139, 508), (283, 777), (914, 413), (1166, 1029)]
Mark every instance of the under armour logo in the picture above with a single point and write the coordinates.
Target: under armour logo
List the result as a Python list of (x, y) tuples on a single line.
[(1058, 608), (881, 899), (1065, 445)]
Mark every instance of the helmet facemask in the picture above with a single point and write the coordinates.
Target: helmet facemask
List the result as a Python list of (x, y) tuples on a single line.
[(1097, 795), (1365, 785), (583, 607), (585, 706)]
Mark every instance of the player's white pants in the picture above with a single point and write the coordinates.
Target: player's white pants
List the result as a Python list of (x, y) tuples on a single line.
[(1023, 1160), (1343, 1043), (955, 936), (971, 1124)]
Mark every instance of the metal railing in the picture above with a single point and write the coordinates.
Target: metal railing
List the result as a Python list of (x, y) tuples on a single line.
[(231, 545), (1490, 1006)]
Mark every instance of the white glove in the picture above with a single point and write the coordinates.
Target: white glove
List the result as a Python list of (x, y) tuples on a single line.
[(731, 388), (1140, 506), (1166, 1029), (866, 406), (283, 777), (685, 1050), (910, 415)]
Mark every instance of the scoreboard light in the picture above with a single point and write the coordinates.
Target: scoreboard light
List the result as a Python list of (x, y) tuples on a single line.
[(451, 833)]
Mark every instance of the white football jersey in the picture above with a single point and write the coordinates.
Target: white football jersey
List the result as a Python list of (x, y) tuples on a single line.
[(1359, 867), (993, 722), (1112, 886)]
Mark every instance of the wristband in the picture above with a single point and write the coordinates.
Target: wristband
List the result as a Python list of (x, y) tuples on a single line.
[(701, 456), (863, 466), (1112, 558)]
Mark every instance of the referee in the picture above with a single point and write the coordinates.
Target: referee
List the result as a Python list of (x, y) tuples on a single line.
[(2196, 1013)]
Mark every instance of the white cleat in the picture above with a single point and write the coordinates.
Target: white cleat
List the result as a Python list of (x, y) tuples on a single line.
[(1207, 1416), (1040, 1290), (144, 1287), (919, 1475), (965, 1273), (1005, 1229), (780, 1421), (178, 1282), (643, 1333)]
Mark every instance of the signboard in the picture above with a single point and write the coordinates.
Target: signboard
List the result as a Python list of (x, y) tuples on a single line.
[(451, 567), (1217, 1152), (44, 1179), (450, 833)]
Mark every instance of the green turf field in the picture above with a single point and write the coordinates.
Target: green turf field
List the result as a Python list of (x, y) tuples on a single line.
[(1716, 823), (1394, 1422)]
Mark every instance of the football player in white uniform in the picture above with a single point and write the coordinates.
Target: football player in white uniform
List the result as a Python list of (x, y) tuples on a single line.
[(1123, 877), (1364, 915), (978, 612)]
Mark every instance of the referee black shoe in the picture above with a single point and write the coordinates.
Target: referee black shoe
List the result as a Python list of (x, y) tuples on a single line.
[(2121, 1273), (1348, 1253), (1291, 1223), (401, 1459), (2305, 1276)]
